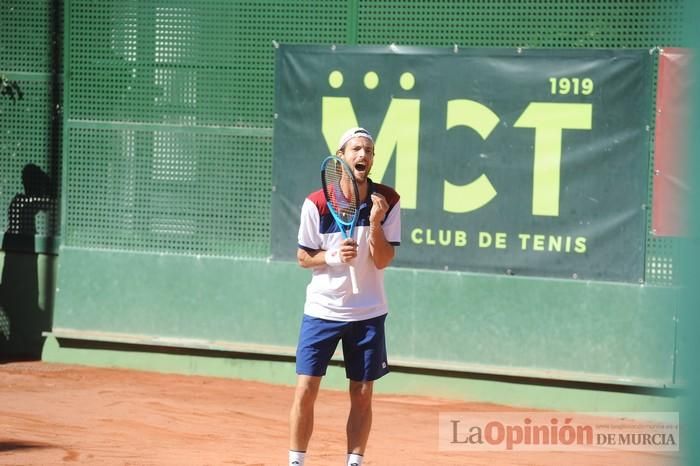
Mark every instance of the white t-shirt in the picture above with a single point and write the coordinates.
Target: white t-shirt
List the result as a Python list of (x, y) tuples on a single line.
[(329, 294)]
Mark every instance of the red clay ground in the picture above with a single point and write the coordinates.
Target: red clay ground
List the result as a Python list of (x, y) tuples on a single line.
[(52, 414)]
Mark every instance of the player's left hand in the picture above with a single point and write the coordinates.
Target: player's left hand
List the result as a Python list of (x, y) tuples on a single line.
[(379, 209)]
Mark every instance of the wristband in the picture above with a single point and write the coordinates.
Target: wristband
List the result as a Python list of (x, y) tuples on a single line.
[(332, 257)]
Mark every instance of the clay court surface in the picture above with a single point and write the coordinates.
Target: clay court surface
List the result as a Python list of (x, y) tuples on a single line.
[(60, 414)]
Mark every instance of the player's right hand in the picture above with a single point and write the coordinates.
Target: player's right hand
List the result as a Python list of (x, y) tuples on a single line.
[(348, 250)]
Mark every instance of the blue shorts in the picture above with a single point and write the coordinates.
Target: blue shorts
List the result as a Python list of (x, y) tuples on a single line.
[(364, 347)]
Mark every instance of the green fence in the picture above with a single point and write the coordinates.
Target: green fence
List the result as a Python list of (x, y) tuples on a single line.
[(167, 129), (30, 149)]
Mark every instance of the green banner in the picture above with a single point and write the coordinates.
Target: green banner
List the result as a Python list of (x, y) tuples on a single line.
[(508, 161)]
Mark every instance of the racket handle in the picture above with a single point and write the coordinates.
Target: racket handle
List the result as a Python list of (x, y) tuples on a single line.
[(353, 280)]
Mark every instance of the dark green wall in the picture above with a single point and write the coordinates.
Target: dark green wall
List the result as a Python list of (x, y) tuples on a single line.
[(609, 333)]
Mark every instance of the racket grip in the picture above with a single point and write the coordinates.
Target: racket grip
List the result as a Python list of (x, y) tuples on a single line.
[(353, 280)]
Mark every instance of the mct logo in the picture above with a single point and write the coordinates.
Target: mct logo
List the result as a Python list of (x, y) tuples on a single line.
[(519, 161)]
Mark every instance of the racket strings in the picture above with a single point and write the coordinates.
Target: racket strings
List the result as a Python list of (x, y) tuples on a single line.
[(340, 192)]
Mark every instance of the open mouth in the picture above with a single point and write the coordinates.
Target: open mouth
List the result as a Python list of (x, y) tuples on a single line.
[(360, 167)]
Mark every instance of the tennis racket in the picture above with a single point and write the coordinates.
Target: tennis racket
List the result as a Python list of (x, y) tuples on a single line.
[(343, 200)]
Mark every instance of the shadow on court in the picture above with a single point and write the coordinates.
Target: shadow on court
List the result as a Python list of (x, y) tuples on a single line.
[(15, 445)]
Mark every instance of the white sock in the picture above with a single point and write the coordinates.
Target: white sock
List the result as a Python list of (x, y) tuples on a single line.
[(354, 459), (296, 458)]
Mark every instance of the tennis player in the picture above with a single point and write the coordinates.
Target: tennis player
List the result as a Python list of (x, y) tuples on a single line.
[(332, 312)]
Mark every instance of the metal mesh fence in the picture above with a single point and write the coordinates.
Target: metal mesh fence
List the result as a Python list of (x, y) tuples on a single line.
[(169, 121), (29, 122)]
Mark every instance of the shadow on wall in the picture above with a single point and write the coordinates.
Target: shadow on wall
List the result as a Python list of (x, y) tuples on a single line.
[(25, 309)]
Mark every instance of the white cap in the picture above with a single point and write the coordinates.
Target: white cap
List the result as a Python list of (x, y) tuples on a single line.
[(352, 133)]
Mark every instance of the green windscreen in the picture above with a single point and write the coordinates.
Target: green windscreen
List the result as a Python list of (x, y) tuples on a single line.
[(522, 23)]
